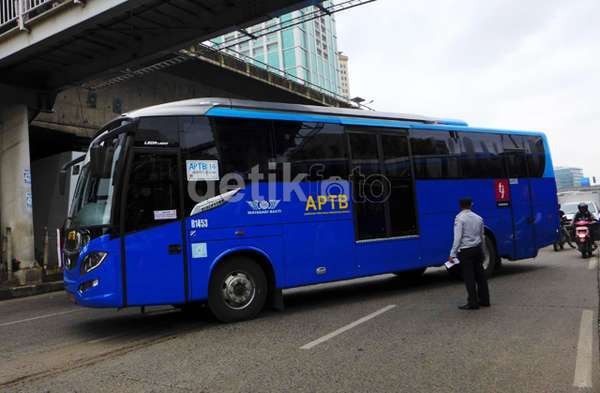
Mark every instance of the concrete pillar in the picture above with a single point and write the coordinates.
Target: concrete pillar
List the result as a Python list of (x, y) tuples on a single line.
[(16, 211)]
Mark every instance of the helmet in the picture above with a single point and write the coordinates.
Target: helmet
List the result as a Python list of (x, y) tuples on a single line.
[(582, 207)]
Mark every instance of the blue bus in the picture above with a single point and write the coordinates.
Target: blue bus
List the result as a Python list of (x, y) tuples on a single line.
[(228, 202)]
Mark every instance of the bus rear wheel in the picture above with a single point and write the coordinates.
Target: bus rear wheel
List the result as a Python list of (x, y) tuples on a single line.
[(490, 260), (237, 290)]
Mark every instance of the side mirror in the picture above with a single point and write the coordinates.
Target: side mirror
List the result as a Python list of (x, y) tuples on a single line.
[(97, 160), (63, 175), (101, 160)]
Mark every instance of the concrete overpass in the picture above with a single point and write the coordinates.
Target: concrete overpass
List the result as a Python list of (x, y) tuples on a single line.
[(60, 43), (49, 47), (81, 111)]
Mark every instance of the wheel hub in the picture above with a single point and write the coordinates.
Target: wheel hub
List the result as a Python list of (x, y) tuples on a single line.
[(238, 290)]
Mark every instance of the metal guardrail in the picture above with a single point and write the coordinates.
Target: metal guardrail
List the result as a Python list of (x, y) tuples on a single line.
[(260, 70), (16, 13), (236, 62), (8, 11)]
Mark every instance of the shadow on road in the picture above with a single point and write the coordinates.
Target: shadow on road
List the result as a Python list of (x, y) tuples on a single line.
[(131, 323), (383, 286), (160, 321)]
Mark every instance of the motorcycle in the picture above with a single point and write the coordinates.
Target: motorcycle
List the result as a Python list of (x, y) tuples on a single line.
[(564, 235), (583, 237)]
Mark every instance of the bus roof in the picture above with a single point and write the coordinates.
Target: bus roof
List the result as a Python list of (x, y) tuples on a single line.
[(200, 106)]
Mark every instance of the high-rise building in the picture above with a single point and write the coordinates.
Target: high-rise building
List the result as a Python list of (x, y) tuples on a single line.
[(343, 74), (307, 51), (568, 177)]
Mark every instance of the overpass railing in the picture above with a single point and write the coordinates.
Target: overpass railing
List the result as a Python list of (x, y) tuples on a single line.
[(16, 13), (236, 62), (257, 69), (8, 11)]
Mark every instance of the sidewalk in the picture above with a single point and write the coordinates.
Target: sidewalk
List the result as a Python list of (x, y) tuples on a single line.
[(7, 292)]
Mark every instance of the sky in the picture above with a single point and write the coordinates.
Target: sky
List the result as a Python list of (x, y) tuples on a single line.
[(526, 65)]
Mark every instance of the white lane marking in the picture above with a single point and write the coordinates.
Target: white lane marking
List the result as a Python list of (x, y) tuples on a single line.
[(349, 326), (583, 363), (593, 264), (102, 339), (39, 317)]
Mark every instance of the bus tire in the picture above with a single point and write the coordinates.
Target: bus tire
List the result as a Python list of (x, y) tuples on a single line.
[(490, 262), (237, 290)]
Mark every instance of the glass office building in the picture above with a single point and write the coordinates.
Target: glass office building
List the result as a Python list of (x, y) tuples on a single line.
[(568, 177), (307, 51)]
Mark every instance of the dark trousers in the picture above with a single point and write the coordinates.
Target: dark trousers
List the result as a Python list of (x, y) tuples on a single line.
[(471, 260)]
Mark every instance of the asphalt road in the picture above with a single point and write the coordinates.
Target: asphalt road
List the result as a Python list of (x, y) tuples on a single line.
[(369, 335)]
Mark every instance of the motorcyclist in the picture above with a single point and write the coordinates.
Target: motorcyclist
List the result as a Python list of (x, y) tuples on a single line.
[(561, 212), (562, 215), (565, 235), (583, 213)]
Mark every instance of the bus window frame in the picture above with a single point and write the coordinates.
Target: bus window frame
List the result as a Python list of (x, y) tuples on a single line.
[(378, 132), (133, 151), (405, 132), (414, 133)]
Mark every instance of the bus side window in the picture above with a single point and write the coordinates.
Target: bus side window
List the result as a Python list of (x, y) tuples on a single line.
[(197, 143), (382, 183), (396, 162), (481, 155), (243, 144), (515, 156), (536, 157), (531, 161), (365, 166), (315, 149), (436, 154)]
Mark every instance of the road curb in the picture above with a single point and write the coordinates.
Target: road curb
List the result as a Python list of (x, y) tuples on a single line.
[(30, 290)]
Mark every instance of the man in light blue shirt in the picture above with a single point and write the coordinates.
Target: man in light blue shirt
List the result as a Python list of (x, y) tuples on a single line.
[(468, 248)]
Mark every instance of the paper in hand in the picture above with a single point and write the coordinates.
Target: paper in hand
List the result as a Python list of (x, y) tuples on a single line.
[(454, 262)]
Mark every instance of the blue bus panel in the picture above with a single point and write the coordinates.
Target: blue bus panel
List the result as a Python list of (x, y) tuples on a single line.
[(310, 236)]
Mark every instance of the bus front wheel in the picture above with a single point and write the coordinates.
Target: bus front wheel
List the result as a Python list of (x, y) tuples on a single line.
[(237, 289)]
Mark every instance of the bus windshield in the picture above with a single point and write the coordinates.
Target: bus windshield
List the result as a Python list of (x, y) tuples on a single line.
[(93, 197)]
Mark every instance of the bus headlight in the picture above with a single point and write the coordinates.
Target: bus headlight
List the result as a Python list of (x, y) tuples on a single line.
[(92, 261)]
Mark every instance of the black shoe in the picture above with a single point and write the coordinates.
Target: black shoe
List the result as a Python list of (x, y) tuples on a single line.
[(484, 304), (469, 307)]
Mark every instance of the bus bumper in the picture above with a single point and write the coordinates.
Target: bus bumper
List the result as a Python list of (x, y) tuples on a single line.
[(89, 292), (99, 288)]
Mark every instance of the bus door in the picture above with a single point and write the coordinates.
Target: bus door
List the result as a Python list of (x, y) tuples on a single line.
[(521, 203), (385, 216), (151, 222)]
